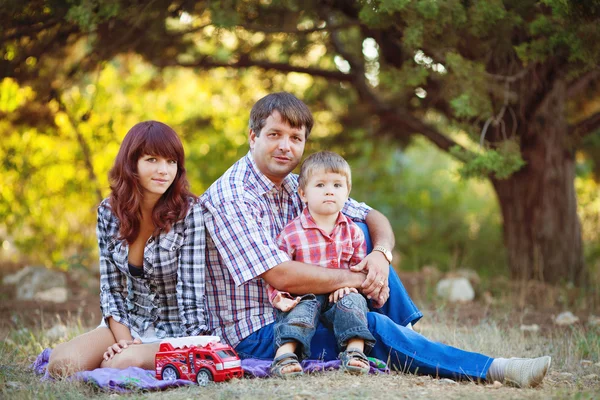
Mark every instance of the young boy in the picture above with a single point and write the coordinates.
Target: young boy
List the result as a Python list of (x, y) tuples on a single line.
[(323, 236)]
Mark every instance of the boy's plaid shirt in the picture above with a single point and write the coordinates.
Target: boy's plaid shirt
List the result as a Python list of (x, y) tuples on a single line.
[(305, 242)]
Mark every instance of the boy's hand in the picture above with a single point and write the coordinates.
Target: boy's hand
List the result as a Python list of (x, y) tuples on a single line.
[(377, 268), (118, 347), (285, 302), (340, 293)]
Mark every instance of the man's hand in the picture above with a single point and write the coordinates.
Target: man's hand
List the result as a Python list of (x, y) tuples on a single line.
[(375, 286), (119, 346), (340, 293), (285, 302)]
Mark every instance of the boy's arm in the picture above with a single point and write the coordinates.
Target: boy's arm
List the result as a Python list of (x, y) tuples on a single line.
[(301, 278)]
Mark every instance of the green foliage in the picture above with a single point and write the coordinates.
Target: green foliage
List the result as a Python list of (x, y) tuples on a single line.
[(89, 13), (499, 163), (445, 62), (438, 218), (484, 15), (467, 89)]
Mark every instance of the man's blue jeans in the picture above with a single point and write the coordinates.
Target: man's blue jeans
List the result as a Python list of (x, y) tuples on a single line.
[(402, 348), (347, 319)]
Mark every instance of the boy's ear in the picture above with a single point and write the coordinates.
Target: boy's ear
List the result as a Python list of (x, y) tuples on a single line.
[(302, 196)]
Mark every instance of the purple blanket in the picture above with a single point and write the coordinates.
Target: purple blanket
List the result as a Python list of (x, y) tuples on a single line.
[(132, 378)]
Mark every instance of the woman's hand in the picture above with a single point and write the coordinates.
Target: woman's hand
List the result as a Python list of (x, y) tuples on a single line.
[(119, 346)]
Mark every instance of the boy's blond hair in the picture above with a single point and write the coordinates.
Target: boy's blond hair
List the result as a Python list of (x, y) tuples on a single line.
[(324, 161)]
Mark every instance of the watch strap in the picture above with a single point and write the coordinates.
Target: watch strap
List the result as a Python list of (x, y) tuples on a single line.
[(386, 253)]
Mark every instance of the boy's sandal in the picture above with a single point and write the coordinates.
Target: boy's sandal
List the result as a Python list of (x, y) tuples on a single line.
[(353, 354), (283, 361)]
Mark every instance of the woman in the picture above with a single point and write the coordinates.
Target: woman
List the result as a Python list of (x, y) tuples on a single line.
[(151, 238)]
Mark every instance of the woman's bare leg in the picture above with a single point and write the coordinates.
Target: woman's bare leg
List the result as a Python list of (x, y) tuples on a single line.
[(135, 355), (82, 353)]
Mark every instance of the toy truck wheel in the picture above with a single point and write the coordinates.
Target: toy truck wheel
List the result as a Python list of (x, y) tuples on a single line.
[(204, 377), (169, 373)]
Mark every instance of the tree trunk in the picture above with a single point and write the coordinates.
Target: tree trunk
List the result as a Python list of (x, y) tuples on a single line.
[(542, 232)]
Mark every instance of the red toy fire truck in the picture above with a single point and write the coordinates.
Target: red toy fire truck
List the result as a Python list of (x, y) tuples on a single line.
[(197, 358)]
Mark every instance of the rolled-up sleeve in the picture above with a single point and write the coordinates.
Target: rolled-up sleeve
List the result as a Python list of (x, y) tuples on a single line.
[(244, 244), (192, 274), (356, 211), (112, 281)]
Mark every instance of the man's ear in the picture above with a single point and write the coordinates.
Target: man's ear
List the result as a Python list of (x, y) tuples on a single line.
[(251, 138)]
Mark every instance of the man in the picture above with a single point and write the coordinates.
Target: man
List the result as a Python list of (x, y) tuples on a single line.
[(246, 209)]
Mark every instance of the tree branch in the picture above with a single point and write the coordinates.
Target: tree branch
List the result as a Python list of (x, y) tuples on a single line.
[(582, 82), (30, 30), (245, 62), (586, 126), (398, 115), (85, 147), (327, 28)]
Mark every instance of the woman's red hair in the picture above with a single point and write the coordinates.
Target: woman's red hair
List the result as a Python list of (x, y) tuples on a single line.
[(157, 139)]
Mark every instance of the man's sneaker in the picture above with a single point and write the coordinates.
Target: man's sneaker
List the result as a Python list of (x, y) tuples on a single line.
[(526, 372)]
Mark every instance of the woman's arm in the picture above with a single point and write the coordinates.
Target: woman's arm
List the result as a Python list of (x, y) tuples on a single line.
[(112, 280)]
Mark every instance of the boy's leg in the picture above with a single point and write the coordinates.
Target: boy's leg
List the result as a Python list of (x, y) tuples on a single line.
[(292, 332), (348, 318), (399, 307), (298, 325)]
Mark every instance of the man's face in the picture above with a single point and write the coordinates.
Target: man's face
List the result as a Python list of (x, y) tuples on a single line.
[(278, 149)]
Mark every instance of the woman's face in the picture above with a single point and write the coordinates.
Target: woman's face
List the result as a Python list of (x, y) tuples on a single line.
[(156, 174)]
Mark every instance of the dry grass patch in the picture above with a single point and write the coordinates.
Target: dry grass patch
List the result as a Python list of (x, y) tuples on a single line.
[(498, 336)]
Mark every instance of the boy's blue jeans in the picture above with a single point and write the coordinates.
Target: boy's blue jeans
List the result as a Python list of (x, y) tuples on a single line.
[(347, 319), (402, 348)]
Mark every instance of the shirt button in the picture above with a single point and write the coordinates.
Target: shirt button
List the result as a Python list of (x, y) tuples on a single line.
[(173, 248), (147, 258), (150, 240)]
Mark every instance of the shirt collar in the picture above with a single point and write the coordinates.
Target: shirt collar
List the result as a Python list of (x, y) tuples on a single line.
[(266, 185), (308, 222)]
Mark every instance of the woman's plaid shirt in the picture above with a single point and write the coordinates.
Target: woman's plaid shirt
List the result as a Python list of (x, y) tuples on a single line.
[(170, 294)]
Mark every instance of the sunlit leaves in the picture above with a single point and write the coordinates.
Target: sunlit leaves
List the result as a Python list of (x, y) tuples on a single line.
[(12, 96)]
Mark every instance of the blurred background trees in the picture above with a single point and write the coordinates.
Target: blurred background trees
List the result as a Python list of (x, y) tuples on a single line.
[(474, 125)]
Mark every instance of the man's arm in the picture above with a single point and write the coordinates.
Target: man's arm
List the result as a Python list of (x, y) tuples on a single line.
[(375, 286), (299, 278)]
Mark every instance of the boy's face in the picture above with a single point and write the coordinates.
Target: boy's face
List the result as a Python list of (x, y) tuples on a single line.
[(325, 193)]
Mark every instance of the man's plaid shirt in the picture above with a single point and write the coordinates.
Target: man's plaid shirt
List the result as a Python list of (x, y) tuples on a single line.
[(244, 212), (305, 242), (170, 294)]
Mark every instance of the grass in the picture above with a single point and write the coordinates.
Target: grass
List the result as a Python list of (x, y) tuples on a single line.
[(497, 335)]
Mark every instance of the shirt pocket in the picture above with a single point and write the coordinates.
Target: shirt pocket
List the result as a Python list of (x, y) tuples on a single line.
[(168, 254), (346, 253), (117, 253)]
